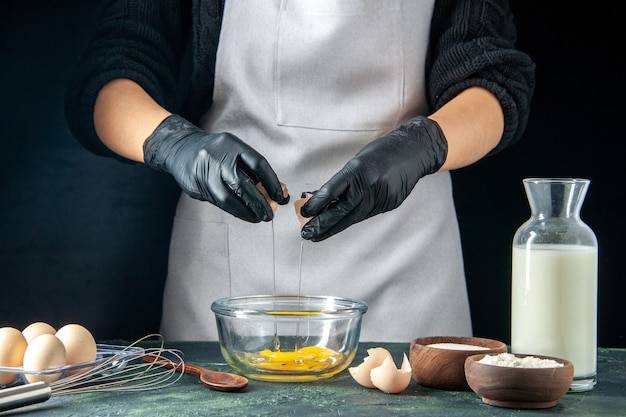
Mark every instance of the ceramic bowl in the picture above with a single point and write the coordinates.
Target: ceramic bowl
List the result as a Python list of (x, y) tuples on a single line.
[(438, 361), (288, 338), (519, 387)]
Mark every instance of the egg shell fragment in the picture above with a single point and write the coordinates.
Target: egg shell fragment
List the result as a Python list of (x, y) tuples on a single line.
[(80, 345), (12, 347), (42, 353), (37, 329), (362, 373), (298, 205), (389, 379), (273, 204)]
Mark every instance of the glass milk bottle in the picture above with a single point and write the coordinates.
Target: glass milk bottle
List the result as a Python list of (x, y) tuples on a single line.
[(554, 279)]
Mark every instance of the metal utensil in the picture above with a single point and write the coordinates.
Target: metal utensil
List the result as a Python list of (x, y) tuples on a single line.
[(216, 380), (120, 372)]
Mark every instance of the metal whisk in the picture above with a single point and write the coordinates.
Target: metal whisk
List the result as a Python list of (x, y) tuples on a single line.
[(123, 371)]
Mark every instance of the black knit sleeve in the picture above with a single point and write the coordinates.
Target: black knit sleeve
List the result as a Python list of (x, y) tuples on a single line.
[(142, 40), (473, 44)]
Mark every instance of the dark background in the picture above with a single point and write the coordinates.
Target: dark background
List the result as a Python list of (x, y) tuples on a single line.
[(85, 239)]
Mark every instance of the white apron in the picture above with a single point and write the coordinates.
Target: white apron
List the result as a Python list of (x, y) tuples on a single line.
[(308, 84)]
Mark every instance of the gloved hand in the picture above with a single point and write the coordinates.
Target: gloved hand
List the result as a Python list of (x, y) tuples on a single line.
[(219, 168), (377, 179)]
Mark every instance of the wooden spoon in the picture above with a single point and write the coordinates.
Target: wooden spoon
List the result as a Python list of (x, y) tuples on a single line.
[(216, 380)]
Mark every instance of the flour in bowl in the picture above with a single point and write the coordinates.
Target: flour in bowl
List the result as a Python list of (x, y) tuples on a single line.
[(510, 360), (456, 346)]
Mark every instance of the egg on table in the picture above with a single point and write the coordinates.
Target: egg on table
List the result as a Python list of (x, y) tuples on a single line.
[(12, 347), (36, 329), (44, 352), (80, 345)]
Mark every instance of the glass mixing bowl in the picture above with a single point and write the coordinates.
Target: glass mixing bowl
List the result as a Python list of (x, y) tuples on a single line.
[(288, 337)]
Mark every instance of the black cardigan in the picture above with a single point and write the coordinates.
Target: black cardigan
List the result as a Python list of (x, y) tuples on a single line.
[(169, 48)]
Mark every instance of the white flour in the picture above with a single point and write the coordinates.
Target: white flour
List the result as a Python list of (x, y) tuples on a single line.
[(456, 346), (510, 360)]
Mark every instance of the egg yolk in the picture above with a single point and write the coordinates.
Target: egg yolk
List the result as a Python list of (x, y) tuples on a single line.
[(305, 359)]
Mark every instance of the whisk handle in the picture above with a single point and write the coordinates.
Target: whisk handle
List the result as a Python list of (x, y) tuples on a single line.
[(23, 395)]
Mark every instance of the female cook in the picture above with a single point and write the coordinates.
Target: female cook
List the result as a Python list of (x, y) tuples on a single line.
[(352, 100)]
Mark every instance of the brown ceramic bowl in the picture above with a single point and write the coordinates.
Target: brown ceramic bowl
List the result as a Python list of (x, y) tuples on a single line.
[(510, 387), (443, 368)]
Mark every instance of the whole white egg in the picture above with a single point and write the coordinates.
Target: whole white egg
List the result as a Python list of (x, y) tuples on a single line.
[(80, 345), (44, 352), (12, 347), (37, 329)]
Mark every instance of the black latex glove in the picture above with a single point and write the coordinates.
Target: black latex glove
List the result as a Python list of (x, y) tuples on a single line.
[(377, 179), (219, 168)]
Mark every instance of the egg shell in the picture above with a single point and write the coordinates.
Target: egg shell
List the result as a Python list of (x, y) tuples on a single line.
[(389, 379), (36, 329), (44, 352), (80, 345), (12, 347), (298, 205), (362, 373), (273, 204)]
